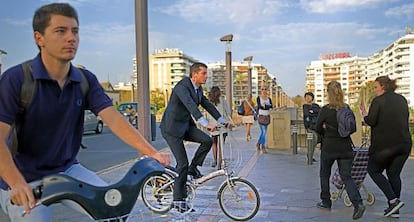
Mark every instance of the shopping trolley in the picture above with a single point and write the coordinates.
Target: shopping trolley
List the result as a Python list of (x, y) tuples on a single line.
[(358, 173)]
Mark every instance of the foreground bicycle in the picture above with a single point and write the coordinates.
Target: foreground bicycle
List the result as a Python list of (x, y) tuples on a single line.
[(238, 198), (111, 203)]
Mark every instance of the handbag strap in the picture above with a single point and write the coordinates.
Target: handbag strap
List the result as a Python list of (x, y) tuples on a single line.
[(251, 107)]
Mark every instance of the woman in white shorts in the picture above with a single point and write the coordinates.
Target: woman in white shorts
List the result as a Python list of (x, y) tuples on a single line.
[(248, 117)]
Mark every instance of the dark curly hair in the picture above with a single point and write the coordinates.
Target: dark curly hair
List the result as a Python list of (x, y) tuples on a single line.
[(388, 84)]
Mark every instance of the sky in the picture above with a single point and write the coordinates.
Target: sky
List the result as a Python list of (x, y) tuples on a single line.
[(282, 35)]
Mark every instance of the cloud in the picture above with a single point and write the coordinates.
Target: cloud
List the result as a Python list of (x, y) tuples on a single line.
[(17, 22), (107, 33), (224, 12), (406, 10), (331, 6), (321, 33)]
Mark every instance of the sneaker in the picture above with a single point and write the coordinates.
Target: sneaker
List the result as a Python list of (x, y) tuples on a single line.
[(396, 214), (358, 212), (182, 207), (394, 207), (323, 205)]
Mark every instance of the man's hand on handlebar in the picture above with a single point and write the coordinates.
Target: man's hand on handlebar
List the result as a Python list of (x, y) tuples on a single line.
[(211, 127), (163, 157), (22, 194)]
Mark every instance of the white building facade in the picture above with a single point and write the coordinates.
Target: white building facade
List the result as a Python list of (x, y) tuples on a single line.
[(396, 61)]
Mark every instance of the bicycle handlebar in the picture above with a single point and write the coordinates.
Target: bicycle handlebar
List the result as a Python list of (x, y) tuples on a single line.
[(220, 126), (113, 201)]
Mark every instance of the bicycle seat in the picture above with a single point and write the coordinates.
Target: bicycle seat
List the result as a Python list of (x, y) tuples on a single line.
[(113, 201)]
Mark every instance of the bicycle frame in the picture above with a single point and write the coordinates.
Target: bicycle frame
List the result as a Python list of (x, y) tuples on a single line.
[(110, 203), (221, 172), (237, 197)]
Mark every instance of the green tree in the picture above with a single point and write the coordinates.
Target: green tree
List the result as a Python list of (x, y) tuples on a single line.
[(298, 100), (239, 79), (157, 98), (366, 95)]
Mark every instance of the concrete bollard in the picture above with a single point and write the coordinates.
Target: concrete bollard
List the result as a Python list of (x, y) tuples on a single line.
[(295, 139), (309, 140)]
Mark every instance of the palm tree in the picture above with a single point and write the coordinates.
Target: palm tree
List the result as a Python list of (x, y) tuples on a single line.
[(239, 80)]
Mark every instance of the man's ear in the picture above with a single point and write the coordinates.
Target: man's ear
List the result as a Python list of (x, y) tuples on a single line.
[(38, 37)]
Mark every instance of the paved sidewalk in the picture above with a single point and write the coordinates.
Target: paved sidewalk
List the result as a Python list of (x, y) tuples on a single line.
[(288, 187)]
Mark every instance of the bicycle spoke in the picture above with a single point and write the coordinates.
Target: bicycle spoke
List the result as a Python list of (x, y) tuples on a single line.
[(239, 199)]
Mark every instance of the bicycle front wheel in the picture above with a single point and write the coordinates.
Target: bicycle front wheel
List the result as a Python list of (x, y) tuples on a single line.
[(239, 199), (157, 193)]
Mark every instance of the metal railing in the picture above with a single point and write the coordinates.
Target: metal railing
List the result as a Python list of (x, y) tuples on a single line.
[(298, 130)]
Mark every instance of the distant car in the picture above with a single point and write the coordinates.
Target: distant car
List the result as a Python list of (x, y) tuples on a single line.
[(92, 122), (123, 109)]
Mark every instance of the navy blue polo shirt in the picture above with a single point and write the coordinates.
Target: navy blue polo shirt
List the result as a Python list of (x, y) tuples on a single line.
[(50, 134)]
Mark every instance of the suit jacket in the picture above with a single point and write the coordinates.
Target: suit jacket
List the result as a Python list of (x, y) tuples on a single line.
[(183, 104)]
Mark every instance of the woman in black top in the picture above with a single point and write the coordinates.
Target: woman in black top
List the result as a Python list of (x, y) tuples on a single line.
[(336, 148), (390, 140)]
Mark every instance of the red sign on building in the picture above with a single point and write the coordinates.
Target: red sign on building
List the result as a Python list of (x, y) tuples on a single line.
[(335, 56)]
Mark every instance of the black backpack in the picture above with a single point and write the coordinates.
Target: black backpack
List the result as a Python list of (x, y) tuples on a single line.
[(240, 109), (26, 96)]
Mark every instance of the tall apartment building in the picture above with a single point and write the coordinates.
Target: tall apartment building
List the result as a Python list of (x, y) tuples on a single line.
[(396, 61), (347, 70), (166, 67), (217, 72), (260, 77)]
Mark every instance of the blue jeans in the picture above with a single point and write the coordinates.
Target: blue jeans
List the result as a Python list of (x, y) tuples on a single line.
[(43, 213), (263, 135)]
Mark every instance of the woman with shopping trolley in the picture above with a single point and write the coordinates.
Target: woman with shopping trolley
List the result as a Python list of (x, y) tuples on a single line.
[(336, 148)]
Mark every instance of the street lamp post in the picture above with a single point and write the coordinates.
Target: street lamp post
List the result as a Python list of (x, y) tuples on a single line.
[(166, 97), (229, 94), (133, 93), (249, 59), (141, 39)]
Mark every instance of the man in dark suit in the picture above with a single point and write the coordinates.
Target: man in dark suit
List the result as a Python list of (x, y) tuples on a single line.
[(177, 125)]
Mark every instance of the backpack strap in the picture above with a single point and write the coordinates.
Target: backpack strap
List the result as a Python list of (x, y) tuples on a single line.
[(84, 84), (251, 107), (28, 86), (26, 96)]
